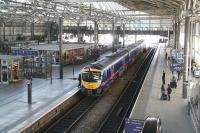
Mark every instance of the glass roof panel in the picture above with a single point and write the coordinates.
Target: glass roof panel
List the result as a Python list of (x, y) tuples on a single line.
[(113, 7), (109, 6), (23, 1)]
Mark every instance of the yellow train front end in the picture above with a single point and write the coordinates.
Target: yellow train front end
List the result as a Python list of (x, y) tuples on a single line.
[(91, 81)]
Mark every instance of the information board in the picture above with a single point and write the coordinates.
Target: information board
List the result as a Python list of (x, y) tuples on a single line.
[(176, 67), (24, 52), (133, 125)]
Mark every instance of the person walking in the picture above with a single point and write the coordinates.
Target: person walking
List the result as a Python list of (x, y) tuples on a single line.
[(169, 91), (163, 77)]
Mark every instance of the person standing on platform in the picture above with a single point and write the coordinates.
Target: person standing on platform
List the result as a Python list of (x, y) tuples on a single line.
[(169, 91), (179, 74), (174, 81), (172, 72), (163, 95), (163, 77)]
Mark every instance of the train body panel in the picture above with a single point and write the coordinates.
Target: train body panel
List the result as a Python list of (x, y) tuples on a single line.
[(98, 75)]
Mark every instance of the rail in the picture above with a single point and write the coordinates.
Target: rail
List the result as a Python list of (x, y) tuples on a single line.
[(69, 120)]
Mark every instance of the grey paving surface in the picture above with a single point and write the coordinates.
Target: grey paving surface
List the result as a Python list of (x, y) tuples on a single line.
[(15, 112), (173, 114)]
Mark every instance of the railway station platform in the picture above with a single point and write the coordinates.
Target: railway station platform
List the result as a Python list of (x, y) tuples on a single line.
[(174, 113), (16, 113)]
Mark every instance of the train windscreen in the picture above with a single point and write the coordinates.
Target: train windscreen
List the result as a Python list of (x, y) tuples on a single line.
[(90, 76)]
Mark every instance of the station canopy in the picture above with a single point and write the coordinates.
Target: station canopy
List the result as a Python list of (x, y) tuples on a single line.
[(95, 10)]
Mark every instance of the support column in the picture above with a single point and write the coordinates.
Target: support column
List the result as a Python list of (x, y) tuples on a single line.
[(10, 33), (168, 34), (117, 36), (190, 50), (78, 32), (32, 31), (124, 35), (4, 31), (175, 32), (60, 46), (0, 32), (13, 32), (193, 41), (49, 33), (178, 33), (95, 33), (186, 53), (113, 34), (91, 33)]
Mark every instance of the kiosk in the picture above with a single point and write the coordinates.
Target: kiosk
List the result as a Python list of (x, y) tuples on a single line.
[(11, 68), (15, 72)]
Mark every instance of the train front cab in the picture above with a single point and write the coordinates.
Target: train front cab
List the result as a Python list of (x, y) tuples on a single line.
[(91, 81)]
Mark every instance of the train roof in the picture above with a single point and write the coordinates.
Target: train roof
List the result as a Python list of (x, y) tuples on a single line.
[(107, 60), (135, 44)]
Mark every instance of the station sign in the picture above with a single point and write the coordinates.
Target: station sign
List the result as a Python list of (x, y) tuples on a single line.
[(176, 67), (133, 125), (24, 52)]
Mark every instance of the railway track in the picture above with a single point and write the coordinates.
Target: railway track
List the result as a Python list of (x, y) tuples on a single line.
[(114, 121), (74, 115), (69, 120)]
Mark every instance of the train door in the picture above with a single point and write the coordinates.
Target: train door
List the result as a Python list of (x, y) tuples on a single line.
[(112, 72), (4, 74)]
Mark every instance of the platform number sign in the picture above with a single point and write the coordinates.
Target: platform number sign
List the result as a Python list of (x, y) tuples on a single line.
[(133, 125), (176, 67)]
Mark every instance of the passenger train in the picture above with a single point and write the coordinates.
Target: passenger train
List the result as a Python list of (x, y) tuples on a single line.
[(96, 77)]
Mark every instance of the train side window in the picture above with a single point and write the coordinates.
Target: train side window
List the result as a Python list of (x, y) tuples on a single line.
[(127, 59), (105, 74), (109, 72), (121, 62), (116, 67)]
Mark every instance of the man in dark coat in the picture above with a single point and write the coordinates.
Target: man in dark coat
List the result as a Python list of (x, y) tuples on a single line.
[(169, 91), (163, 77)]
